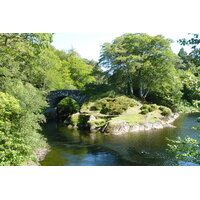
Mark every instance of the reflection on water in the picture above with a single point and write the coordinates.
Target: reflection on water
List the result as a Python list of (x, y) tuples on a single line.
[(81, 148)]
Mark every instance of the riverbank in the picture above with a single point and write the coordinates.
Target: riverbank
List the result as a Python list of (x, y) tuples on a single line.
[(40, 155), (119, 127)]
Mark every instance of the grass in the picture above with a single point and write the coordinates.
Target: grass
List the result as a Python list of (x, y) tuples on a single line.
[(133, 116)]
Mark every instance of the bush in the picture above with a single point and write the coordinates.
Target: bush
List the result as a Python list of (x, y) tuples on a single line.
[(153, 107), (75, 119), (150, 108), (145, 106), (21, 114), (165, 111), (144, 111), (113, 106), (67, 106)]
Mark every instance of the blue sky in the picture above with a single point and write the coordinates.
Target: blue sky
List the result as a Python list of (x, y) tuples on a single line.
[(88, 45)]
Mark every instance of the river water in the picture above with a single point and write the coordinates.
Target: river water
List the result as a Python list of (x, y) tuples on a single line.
[(145, 148)]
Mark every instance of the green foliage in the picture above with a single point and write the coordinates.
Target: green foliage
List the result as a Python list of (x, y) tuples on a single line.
[(20, 77), (18, 139), (186, 149), (76, 70), (165, 111), (191, 85), (142, 65), (75, 119), (67, 106), (144, 111), (113, 106), (148, 108)]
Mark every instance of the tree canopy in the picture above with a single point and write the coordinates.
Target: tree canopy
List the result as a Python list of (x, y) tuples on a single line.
[(144, 64)]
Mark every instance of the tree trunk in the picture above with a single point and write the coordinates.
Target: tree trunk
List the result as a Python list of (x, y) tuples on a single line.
[(130, 81), (147, 92), (140, 89), (6, 40)]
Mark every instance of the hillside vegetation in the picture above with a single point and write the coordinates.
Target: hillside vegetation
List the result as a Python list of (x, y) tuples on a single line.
[(140, 69)]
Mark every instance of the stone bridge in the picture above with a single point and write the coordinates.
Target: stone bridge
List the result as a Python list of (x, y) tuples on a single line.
[(54, 97)]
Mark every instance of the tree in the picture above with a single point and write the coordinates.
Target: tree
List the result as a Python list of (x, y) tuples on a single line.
[(193, 42), (75, 70), (145, 63), (187, 149)]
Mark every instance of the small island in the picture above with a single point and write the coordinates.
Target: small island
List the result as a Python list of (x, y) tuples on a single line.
[(121, 115)]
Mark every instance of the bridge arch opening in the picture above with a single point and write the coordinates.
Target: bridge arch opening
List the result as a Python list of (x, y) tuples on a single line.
[(67, 106), (54, 97)]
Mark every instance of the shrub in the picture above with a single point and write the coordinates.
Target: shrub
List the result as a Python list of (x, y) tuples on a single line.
[(144, 111), (75, 119), (165, 111), (145, 106), (67, 106), (150, 108), (113, 106), (153, 107), (21, 112)]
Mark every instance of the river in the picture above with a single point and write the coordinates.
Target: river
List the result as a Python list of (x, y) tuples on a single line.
[(147, 148)]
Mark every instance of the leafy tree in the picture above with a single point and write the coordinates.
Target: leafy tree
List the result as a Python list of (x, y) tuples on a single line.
[(18, 53), (187, 149), (75, 71), (18, 136), (191, 89), (143, 63), (193, 42)]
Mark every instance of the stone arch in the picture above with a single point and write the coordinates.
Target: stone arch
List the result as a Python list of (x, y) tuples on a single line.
[(56, 96)]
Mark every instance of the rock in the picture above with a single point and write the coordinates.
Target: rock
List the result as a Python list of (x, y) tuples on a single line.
[(70, 126), (147, 126), (92, 117), (141, 128), (157, 125), (117, 127), (122, 127), (75, 127), (170, 125), (93, 128), (134, 128)]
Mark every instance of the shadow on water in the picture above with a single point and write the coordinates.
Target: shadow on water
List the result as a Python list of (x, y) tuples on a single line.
[(148, 148)]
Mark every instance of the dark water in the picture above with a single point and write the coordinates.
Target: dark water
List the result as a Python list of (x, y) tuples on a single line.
[(148, 148)]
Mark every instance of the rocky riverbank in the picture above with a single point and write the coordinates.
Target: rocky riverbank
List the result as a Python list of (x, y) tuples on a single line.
[(40, 155), (121, 115), (122, 127)]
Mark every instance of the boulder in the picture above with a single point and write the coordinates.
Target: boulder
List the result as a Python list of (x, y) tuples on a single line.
[(147, 126), (141, 127), (134, 128), (157, 125), (117, 127), (92, 117)]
